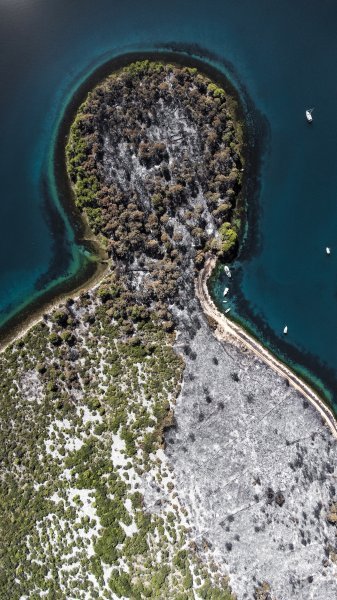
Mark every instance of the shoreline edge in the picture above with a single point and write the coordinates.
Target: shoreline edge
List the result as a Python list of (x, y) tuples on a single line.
[(226, 330)]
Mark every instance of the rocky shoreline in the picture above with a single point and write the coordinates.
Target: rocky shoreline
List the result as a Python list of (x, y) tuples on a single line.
[(226, 329)]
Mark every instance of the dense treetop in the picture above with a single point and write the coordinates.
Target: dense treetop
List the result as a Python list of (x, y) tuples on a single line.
[(155, 160)]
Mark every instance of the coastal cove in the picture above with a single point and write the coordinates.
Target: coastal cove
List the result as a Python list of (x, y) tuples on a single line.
[(322, 379), (227, 330), (282, 275)]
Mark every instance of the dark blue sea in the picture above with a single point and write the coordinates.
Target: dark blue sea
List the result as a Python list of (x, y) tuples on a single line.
[(281, 55)]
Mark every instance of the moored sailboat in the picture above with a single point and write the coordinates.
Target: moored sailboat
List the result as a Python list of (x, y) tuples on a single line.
[(308, 114)]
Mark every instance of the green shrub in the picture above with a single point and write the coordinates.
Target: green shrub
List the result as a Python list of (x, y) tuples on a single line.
[(120, 584), (159, 578)]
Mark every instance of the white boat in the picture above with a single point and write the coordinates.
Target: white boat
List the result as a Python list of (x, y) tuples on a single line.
[(227, 310), (327, 250), (285, 330), (225, 301), (227, 271), (226, 290), (308, 114)]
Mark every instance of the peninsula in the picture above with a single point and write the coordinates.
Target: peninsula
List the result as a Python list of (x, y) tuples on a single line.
[(141, 457)]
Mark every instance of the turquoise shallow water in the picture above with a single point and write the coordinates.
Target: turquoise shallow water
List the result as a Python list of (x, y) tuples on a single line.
[(284, 55)]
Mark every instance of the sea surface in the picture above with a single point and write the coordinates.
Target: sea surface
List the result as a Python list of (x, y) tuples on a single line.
[(282, 56)]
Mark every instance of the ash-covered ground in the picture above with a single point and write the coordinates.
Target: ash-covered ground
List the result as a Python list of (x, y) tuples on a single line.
[(256, 468)]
